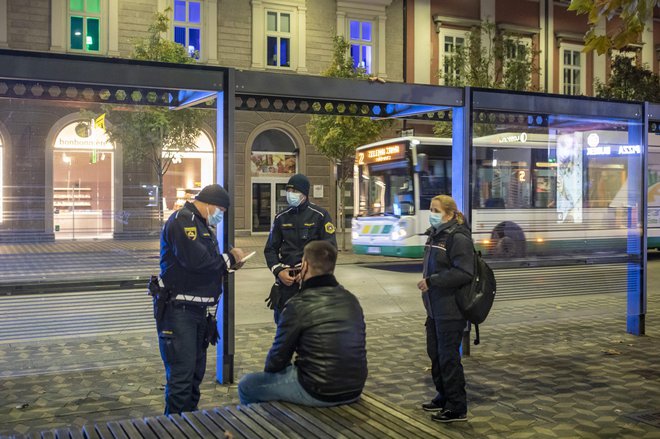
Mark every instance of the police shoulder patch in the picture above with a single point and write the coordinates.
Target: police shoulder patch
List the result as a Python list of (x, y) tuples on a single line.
[(191, 232), (329, 228)]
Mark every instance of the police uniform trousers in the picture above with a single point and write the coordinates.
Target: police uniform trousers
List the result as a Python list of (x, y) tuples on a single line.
[(286, 293), (443, 348), (181, 337)]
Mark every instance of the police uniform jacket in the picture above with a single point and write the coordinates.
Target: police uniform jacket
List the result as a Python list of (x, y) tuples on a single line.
[(447, 266), (190, 261), (292, 230), (324, 325)]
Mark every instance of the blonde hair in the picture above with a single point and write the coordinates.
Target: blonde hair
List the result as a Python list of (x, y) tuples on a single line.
[(448, 205)]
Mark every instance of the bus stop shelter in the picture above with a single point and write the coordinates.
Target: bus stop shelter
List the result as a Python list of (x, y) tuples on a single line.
[(34, 85)]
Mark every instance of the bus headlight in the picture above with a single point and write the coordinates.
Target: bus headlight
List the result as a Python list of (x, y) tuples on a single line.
[(399, 231), (355, 234)]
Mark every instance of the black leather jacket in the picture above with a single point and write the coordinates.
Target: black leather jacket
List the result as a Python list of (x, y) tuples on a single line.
[(294, 228), (190, 261), (445, 270), (324, 325)]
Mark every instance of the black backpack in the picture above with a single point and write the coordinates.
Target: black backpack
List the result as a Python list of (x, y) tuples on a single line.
[(475, 299)]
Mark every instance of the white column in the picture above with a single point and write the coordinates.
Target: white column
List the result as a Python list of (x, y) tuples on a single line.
[(382, 41), (3, 25), (551, 46), (113, 28), (648, 51), (600, 61), (541, 48), (302, 40), (211, 32), (422, 50), (258, 34), (58, 26), (341, 24)]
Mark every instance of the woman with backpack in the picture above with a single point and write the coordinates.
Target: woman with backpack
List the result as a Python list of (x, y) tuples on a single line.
[(448, 265)]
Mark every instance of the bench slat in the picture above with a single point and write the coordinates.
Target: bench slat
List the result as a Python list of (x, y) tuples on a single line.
[(157, 428), (103, 431), (130, 429), (421, 424), (315, 415), (246, 427), (169, 426), (257, 412), (318, 429), (89, 432), (357, 423), (348, 424), (142, 427), (187, 430), (403, 428), (200, 428), (116, 430), (76, 433), (47, 435), (62, 433), (214, 422)]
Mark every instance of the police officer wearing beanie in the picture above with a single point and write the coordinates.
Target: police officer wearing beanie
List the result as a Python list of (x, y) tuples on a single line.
[(301, 223), (192, 269)]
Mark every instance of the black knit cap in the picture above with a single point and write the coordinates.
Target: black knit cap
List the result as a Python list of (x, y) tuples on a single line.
[(214, 194), (300, 183)]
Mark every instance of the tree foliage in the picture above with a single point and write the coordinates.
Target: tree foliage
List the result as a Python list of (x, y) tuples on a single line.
[(629, 82), (336, 137), (155, 134), (633, 15)]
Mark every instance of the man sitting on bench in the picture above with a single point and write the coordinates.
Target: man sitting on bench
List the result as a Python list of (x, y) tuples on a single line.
[(324, 325)]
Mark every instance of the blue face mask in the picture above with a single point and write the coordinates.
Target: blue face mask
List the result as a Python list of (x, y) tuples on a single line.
[(435, 219), (216, 218), (294, 199)]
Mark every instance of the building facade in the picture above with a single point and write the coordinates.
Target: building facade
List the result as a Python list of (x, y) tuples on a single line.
[(77, 185)]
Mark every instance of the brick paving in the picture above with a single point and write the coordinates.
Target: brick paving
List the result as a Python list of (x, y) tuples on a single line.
[(546, 368)]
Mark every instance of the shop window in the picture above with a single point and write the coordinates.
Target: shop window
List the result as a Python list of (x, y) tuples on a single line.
[(278, 39), (2, 182), (188, 25), (451, 40), (361, 44), (273, 154), (572, 67), (84, 18)]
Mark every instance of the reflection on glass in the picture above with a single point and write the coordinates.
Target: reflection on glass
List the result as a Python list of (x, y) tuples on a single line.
[(77, 33), (386, 189)]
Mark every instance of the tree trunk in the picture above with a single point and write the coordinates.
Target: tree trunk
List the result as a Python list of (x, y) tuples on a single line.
[(341, 220), (160, 200)]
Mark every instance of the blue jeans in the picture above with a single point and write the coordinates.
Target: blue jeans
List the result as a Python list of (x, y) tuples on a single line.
[(181, 337), (279, 386)]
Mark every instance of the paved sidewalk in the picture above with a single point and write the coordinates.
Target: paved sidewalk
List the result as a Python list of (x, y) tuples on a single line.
[(546, 368), (60, 263)]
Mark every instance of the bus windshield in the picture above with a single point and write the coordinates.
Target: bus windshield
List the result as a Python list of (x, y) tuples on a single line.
[(386, 189)]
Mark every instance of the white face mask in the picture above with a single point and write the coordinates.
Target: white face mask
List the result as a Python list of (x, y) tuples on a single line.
[(216, 218), (294, 199)]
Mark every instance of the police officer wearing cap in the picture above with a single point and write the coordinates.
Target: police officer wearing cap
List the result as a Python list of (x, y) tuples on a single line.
[(192, 270), (301, 223)]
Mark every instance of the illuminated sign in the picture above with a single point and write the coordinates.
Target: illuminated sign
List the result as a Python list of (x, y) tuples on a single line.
[(380, 154), (614, 150), (522, 138)]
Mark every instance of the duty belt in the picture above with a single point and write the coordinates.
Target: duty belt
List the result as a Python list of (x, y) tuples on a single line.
[(198, 299)]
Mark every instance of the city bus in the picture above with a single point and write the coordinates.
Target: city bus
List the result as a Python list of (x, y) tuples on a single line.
[(523, 203)]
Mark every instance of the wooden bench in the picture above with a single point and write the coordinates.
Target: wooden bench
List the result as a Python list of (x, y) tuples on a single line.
[(371, 417)]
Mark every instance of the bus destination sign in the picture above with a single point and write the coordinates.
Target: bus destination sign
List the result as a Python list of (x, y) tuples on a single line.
[(380, 154)]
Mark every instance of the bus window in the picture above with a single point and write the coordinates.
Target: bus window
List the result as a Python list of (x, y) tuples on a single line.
[(386, 189), (436, 180)]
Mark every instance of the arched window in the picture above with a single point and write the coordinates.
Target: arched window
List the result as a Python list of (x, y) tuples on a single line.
[(273, 153)]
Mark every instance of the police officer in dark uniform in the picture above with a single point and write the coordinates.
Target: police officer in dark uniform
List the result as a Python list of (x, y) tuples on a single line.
[(301, 223), (192, 269)]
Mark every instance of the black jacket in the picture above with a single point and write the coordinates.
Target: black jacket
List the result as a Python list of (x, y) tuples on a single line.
[(294, 228), (190, 260), (324, 325), (446, 269)]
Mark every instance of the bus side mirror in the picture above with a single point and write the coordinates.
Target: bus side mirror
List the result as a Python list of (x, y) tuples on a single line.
[(422, 163)]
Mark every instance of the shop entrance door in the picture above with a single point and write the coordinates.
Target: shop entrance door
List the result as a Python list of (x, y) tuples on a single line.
[(268, 199), (82, 194)]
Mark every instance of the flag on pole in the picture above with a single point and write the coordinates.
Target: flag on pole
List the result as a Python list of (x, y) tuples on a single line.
[(99, 122)]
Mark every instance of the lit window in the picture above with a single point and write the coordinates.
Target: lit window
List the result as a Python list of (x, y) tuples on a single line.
[(188, 25), (85, 25), (278, 39), (361, 41), (573, 79)]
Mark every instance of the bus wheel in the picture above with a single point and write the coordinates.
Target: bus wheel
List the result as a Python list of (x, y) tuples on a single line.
[(509, 240)]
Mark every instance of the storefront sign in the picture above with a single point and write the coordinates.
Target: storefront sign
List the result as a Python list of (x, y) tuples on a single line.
[(522, 138), (614, 150), (380, 154)]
